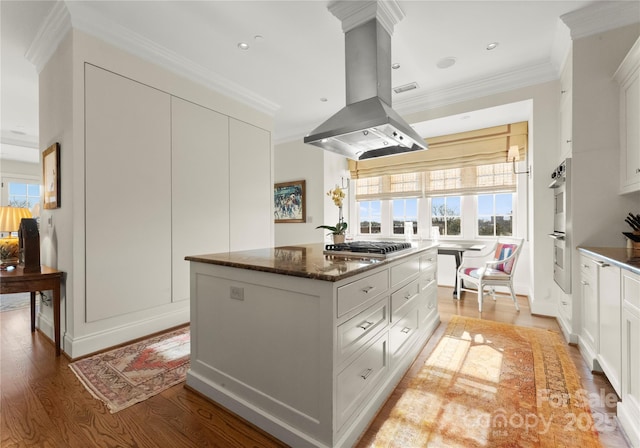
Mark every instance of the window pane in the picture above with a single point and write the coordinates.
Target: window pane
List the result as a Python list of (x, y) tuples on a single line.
[(398, 227), (485, 225), (453, 205), (437, 206), (33, 190), (485, 204), (398, 208), (504, 226), (411, 211), (504, 204), (15, 188), (453, 226)]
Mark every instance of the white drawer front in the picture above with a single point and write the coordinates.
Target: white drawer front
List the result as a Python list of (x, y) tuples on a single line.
[(631, 288), (405, 270), (361, 291), (357, 331), (428, 260), (588, 267), (403, 331), (357, 380), (403, 298), (429, 303)]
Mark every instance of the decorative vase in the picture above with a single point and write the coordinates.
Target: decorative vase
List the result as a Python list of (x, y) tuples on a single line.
[(338, 239)]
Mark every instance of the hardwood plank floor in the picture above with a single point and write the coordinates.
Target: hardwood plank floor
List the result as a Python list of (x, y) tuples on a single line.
[(43, 404)]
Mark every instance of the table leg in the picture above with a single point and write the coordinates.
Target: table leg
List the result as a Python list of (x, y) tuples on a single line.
[(458, 256), (56, 316), (33, 311)]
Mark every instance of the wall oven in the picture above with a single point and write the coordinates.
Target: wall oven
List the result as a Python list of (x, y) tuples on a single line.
[(561, 185)]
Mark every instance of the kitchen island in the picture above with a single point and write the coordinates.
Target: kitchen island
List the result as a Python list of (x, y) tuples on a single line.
[(304, 345)]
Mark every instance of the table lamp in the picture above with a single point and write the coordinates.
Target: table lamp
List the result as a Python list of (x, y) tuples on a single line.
[(10, 218)]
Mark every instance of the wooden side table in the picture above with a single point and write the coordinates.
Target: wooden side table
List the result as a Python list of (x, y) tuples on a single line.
[(16, 280)]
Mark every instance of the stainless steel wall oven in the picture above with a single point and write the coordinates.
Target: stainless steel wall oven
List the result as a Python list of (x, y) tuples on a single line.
[(561, 185)]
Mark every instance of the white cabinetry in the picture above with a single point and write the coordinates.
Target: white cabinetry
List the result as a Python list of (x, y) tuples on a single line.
[(566, 108), (310, 361), (199, 187), (588, 338), (629, 408), (609, 354), (628, 76), (251, 186), (127, 195)]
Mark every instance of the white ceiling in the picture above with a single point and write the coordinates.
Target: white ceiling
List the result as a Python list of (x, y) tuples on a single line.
[(300, 55)]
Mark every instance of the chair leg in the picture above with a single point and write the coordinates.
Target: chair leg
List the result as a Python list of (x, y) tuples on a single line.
[(480, 296), (458, 285), (513, 297)]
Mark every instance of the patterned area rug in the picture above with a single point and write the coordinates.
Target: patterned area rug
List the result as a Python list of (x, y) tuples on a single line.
[(10, 302), (489, 384), (131, 374)]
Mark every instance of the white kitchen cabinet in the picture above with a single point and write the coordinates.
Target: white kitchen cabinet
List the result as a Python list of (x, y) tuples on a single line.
[(628, 409), (127, 195), (199, 187), (588, 337), (609, 315), (628, 76), (566, 108), (251, 187), (310, 361)]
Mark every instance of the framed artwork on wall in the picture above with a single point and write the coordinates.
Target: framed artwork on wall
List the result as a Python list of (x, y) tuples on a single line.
[(289, 202), (51, 176)]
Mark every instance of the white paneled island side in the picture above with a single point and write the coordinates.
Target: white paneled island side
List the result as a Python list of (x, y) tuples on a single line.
[(308, 346)]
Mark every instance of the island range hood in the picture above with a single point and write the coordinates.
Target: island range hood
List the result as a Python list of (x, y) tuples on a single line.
[(367, 126)]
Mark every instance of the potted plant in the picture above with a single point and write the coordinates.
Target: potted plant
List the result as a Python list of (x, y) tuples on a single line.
[(338, 231)]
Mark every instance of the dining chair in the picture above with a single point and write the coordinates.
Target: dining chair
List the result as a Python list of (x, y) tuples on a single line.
[(491, 269)]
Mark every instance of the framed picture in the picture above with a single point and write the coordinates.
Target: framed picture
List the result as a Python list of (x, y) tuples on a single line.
[(51, 176), (289, 202)]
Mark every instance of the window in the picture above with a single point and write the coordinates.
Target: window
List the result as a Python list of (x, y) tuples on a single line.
[(405, 210), (23, 194), (446, 215), (495, 214), (370, 216)]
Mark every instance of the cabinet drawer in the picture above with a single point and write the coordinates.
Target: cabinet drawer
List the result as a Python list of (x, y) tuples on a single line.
[(403, 298), (354, 333), (357, 380), (429, 304), (405, 271), (565, 307), (402, 331), (631, 288), (361, 291), (588, 268), (428, 259)]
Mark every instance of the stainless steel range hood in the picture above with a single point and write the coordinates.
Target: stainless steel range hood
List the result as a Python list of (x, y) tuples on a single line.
[(367, 126)]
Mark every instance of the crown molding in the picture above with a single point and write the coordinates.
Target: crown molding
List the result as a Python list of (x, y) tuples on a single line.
[(72, 14), (503, 82), (354, 13), (601, 16), (46, 41)]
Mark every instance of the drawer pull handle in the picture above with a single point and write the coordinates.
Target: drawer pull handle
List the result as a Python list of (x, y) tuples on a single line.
[(407, 295), (585, 283), (586, 266), (602, 264), (366, 289), (405, 330), (637, 170), (365, 325), (366, 374), (564, 303)]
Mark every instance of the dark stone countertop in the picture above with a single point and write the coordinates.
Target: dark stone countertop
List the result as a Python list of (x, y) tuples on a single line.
[(624, 258), (305, 260)]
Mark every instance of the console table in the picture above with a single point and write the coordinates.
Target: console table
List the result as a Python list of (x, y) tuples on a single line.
[(48, 279)]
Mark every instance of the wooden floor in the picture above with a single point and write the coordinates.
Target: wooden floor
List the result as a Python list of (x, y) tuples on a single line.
[(43, 404)]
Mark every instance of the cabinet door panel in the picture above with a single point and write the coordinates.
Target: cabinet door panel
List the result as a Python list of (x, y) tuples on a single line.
[(251, 186), (199, 187), (128, 195), (610, 354)]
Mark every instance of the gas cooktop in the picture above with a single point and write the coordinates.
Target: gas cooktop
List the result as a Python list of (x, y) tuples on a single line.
[(369, 249)]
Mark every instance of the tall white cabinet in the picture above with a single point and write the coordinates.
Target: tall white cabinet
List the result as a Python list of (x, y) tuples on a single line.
[(127, 195), (164, 178)]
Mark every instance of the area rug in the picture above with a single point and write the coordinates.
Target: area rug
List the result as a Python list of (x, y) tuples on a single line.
[(131, 374), (489, 384), (18, 301)]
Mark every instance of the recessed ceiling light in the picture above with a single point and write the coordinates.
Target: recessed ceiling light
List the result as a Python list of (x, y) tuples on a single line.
[(492, 45), (395, 66), (243, 46), (446, 62)]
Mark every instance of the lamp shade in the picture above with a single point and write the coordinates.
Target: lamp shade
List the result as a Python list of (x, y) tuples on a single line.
[(10, 218)]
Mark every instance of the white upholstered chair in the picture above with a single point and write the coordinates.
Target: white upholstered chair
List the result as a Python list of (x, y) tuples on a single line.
[(491, 269)]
